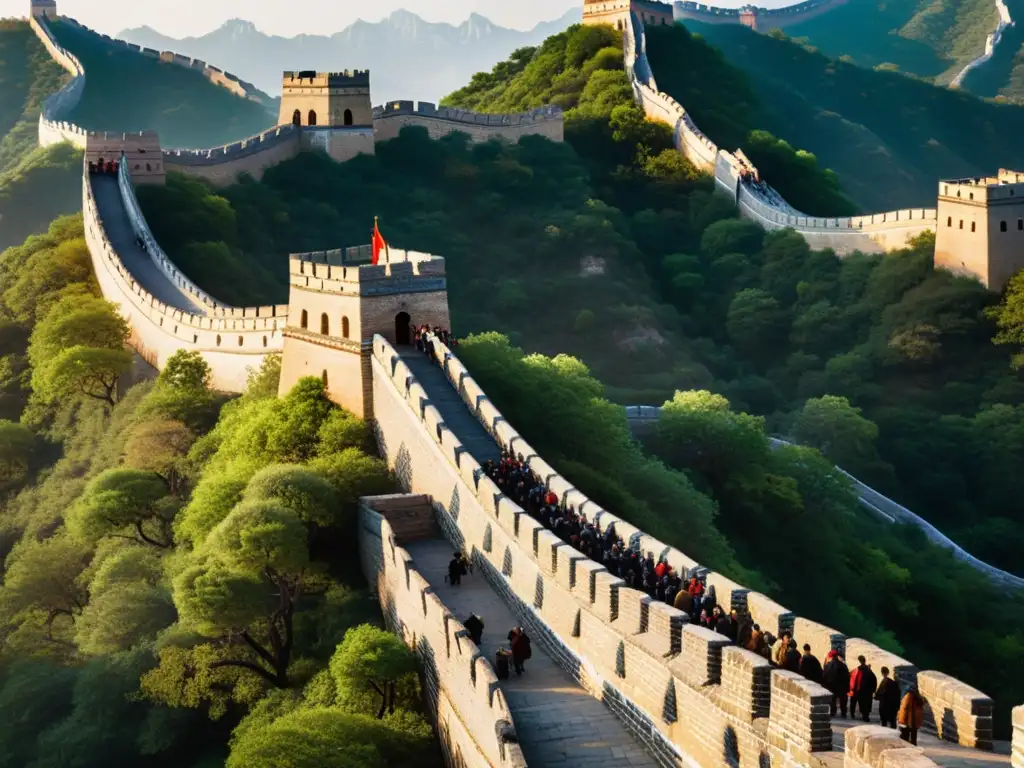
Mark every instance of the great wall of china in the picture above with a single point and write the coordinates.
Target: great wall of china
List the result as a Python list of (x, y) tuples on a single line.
[(680, 694)]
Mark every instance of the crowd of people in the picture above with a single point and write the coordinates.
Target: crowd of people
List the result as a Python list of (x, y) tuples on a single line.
[(100, 166), (420, 334), (851, 690)]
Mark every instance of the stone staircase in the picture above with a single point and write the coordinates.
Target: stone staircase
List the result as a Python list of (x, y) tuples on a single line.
[(411, 516)]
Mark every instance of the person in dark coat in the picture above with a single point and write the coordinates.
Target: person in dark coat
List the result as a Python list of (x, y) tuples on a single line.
[(862, 689), (521, 650), (791, 659), (888, 696), (456, 570), (475, 626), (836, 679), (810, 667)]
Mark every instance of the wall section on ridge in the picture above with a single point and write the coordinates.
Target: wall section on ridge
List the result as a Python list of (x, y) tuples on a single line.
[(389, 119), (472, 718), (953, 709), (686, 695), (221, 166), (234, 341), (874, 233), (53, 129)]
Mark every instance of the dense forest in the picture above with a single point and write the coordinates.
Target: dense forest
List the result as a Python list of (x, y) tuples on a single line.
[(36, 184), (180, 582), (888, 137), (126, 91)]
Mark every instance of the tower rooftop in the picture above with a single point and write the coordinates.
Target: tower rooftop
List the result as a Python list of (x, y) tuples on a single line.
[(1002, 178)]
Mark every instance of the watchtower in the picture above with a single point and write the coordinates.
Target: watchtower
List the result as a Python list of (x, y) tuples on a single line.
[(748, 17), (44, 8), (327, 99), (980, 227), (338, 302)]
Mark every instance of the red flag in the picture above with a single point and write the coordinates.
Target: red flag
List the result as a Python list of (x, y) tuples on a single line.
[(379, 244)]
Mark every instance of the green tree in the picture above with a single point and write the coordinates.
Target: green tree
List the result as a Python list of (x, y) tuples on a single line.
[(125, 500), (839, 431), (374, 658), (1009, 318), (16, 446), (160, 446), (757, 324)]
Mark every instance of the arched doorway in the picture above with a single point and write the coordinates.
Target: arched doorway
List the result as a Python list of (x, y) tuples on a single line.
[(312, 117), (402, 329), (296, 117), (348, 117)]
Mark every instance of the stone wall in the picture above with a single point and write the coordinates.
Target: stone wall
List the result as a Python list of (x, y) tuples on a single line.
[(53, 129), (760, 203), (389, 119), (1017, 754), (689, 698), (872, 746), (764, 18), (232, 340), (966, 713), (472, 718), (222, 165)]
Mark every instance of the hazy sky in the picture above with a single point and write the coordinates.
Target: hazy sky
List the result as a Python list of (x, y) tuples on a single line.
[(180, 18)]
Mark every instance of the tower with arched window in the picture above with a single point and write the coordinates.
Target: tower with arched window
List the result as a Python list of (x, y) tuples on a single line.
[(326, 99), (338, 302)]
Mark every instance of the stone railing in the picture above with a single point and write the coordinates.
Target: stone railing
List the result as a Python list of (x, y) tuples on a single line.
[(217, 76), (233, 340), (758, 201), (53, 129), (229, 152), (426, 109), (149, 243), (878, 504), (472, 717), (965, 712)]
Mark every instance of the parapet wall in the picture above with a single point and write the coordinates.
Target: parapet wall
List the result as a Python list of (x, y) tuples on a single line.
[(234, 341), (222, 165), (215, 75), (53, 129), (953, 709), (685, 693), (760, 202), (472, 718), (389, 119), (761, 18)]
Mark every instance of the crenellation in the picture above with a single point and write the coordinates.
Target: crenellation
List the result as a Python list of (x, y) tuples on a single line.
[(727, 592), (606, 595), (665, 627), (746, 684), (769, 614), (634, 611), (902, 670), (955, 711), (822, 639)]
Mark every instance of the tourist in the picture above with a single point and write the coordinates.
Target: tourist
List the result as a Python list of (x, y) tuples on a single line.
[(782, 649), (836, 679), (456, 569), (910, 716), (810, 667), (521, 650), (862, 689), (791, 660), (475, 626), (888, 696)]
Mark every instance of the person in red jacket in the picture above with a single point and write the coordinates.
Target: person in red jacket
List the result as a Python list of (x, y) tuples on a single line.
[(862, 689)]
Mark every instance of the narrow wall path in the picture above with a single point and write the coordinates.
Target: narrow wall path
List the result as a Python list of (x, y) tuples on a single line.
[(558, 722), (136, 260)]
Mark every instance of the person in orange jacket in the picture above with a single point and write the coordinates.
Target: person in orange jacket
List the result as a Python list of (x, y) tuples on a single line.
[(911, 716)]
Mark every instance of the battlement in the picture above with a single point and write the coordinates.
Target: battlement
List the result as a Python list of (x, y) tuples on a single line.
[(428, 110), (348, 270), (228, 152), (357, 78), (1006, 187)]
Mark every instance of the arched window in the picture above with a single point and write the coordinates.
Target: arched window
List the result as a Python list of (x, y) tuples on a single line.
[(971, 195), (305, 314), (949, 222), (961, 227), (264, 341), (149, 167), (344, 327), (195, 338), (325, 325), (1002, 226), (323, 376), (312, 117), (403, 332), (218, 339), (296, 117), (241, 340), (348, 117)]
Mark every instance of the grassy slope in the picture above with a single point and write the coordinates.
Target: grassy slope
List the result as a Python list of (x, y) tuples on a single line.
[(36, 185), (927, 38), (126, 91), (890, 138)]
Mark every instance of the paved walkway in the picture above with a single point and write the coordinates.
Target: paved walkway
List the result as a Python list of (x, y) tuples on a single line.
[(122, 237), (558, 723), (943, 753)]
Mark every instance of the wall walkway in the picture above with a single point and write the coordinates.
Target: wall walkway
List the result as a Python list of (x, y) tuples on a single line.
[(643, 417), (558, 723)]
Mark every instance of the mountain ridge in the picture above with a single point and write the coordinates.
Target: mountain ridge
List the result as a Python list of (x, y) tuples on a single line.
[(408, 56)]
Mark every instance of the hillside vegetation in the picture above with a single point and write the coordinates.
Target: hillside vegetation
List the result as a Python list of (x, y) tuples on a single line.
[(36, 185), (126, 91), (888, 137), (139, 623), (932, 39)]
